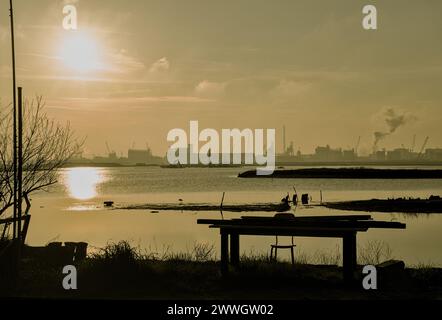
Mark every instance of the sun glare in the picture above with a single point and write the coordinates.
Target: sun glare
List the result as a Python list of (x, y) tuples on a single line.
[(80, 52), (82, 183)]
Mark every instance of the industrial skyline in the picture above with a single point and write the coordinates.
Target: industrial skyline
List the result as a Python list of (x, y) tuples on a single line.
[(321, 154)]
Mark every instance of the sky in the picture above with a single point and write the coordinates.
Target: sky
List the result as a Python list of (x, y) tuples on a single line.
[(136, 69)]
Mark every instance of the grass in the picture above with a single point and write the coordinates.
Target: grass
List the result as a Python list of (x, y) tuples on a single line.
[(120, 270), (374, 252)]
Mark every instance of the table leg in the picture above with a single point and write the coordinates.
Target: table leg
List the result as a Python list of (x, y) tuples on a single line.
[(349, 256), (224, 252), (234, 249)]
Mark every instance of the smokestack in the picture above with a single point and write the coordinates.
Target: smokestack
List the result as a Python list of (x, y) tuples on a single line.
[(283, 140)]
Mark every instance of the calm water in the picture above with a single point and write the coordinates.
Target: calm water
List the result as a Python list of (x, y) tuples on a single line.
[(73, 211)]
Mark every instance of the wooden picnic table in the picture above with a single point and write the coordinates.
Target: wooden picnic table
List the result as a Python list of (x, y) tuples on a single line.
[(345, 227)]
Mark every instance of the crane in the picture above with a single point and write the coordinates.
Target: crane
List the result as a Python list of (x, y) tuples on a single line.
[(357, 145), (423, 147), (413, 144), (110, 153), (108, 149)]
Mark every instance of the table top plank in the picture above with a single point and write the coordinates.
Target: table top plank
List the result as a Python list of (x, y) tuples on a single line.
[(363, 224)]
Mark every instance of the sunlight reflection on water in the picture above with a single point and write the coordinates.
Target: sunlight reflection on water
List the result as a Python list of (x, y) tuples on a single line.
[(82, 183)]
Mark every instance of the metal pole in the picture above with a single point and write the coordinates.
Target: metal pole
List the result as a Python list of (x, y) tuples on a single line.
[(20, 162), (14, 96)]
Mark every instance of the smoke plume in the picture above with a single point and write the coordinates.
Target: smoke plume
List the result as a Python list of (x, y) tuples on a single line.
[(394, 119)]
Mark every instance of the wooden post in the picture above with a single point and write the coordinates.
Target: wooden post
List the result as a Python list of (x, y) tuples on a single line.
[(349, 256), (224, 251), (234, 249), (221, 206), (25, 228)]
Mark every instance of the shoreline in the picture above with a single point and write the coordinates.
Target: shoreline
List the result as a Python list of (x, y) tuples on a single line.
[(399, 205), (315, 164), (348, 173), (256, 207)]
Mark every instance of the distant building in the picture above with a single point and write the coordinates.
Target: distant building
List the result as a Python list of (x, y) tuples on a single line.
[(111, 158), (433, 154), (142, 157), (327, 154), (399, 154), (379, 155), (349, 155)]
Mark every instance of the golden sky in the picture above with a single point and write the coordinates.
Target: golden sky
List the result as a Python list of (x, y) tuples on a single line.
[(146, 67)]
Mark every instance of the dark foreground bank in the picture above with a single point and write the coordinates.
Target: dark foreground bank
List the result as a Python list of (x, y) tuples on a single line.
[(120, 272), (348, 173)]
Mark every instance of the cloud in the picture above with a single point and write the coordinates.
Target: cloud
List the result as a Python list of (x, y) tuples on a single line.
[(112, 103), (290, 89), (210, 89), (254, 90), (5, 33), (121, 62), (160, 66)]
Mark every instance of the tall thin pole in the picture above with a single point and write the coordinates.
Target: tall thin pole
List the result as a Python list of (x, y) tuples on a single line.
[(14, 96), (20, 162)]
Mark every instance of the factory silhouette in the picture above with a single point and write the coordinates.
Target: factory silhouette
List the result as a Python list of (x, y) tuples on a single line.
[(322, 155)]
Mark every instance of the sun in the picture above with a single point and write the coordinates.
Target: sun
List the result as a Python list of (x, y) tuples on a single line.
[(80, 52)]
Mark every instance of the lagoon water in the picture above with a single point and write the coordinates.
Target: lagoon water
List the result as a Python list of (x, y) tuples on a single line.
[(73, 210)]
